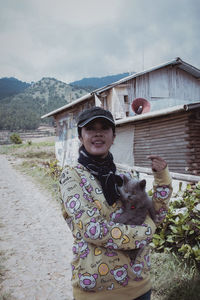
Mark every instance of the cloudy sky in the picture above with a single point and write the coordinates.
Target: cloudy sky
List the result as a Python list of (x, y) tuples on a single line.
[(73, 39)]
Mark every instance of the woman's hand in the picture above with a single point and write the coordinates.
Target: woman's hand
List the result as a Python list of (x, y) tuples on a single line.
[(157, 163)]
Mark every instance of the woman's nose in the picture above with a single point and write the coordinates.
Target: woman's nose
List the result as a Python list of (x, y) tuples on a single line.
[(98, 132)]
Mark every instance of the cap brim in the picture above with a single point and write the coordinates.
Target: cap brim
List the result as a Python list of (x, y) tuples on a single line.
[(93, 118)]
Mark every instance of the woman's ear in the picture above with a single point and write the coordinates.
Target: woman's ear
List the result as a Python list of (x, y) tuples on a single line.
[(114, 136), (80, 139)]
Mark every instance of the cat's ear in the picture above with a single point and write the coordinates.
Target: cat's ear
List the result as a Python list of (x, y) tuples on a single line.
[(143, 184), (126, 178)]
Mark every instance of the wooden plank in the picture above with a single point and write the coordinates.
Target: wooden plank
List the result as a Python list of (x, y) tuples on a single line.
[(161, 153), (164, 122), (139, 154), (161, 129), (161, 143), (159, 133), (173, 116), (178, 176), (164, 145), (162, 125), (169, 151), (169, 137)]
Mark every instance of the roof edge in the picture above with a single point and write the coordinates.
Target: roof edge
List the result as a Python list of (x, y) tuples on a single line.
[(157, 113), (56, 111), (148, 115), (175, 61)]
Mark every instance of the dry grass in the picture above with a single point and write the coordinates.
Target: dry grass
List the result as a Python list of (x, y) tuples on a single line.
[(173, 280), (5, 296), (26, 150)]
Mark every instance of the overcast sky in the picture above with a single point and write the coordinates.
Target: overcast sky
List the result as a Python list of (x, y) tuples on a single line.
[(73, 39)]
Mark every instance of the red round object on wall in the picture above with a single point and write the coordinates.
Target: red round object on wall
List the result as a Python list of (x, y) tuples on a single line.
[(140, 106)]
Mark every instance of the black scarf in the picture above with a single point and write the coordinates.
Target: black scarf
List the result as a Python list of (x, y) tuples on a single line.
[(104, 170)]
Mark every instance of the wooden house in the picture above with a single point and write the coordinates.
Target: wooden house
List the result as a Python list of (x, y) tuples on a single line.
[(173, 133), (168, 125)]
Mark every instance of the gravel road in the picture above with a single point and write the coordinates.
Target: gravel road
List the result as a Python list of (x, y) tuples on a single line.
[(35, 238)]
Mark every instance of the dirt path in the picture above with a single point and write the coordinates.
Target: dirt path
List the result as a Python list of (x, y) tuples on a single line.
[(35, 238)]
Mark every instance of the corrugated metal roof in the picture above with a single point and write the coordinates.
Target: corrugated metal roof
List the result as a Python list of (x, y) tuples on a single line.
[(177, 61), (158, 113)]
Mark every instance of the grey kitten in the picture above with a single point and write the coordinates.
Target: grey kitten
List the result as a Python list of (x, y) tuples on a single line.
[(136, 205)]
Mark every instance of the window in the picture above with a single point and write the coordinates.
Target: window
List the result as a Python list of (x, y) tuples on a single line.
[(126, 105)]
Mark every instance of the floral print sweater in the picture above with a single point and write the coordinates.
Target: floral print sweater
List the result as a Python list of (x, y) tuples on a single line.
[(101, 267)]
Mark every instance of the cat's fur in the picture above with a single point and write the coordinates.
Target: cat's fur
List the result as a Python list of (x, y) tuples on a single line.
[(136, 205)]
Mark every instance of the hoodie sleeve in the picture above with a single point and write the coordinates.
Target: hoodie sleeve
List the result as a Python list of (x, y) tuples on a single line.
[(162, 190), (86, 220)]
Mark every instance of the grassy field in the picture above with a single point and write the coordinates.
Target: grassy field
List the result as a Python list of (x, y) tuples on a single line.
[(171, 279)]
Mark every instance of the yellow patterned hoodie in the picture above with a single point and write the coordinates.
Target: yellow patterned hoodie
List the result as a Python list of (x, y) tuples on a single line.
[(101, 268)]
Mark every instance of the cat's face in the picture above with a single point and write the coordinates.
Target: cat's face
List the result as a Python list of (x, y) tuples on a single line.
[(133, 192)]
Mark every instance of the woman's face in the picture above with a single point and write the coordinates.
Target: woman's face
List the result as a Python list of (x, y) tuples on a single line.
[(97, 137)]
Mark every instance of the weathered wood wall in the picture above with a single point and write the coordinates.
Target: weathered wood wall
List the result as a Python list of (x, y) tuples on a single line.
[(174, 137), (165, 87), (194, 143)]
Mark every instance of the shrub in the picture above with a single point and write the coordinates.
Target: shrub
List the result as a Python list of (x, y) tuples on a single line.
[(15, 138), (180, 231), (53, 169)]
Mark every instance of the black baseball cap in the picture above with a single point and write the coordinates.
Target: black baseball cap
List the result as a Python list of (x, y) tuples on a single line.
[(95, 113)]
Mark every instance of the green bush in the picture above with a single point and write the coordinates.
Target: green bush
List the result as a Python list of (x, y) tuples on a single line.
[(53, 169), (180, 231), (15, 138)]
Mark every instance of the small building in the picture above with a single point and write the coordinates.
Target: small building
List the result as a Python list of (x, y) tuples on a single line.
[(168, 122), (173, 133)]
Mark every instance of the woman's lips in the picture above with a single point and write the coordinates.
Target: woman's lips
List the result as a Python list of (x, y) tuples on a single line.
[(98, 143)]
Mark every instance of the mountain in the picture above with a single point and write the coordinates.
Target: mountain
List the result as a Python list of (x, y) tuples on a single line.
[(98, 82), (23, 110), (11, 86), (22, 104)]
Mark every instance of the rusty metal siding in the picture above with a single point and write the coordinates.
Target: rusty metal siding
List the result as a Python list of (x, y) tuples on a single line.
[(167, 137)]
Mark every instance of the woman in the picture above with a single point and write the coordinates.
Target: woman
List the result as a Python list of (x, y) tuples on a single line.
[(102, 268)]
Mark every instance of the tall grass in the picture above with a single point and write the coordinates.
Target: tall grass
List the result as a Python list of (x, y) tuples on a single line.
[(172, 279)]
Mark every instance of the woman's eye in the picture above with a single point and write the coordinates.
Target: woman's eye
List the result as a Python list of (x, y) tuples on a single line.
[(89, 128), (105, 127)]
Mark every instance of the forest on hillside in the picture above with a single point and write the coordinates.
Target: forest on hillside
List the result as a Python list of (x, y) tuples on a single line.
[(22, 104), (23, 111), (21, 114), (11, 86)]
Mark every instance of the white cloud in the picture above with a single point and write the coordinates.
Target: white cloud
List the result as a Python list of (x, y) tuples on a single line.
[(72, 39)]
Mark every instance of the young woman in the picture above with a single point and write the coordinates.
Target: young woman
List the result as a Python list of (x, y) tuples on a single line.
[(101, 267)]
